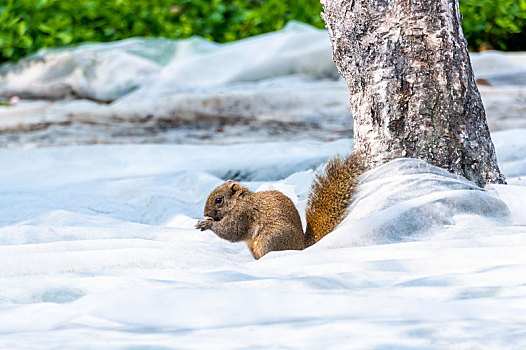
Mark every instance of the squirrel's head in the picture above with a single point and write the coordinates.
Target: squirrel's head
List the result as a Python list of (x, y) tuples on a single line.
[(224, 199)]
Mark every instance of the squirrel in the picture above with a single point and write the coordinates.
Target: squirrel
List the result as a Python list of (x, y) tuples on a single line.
[(268, 221)]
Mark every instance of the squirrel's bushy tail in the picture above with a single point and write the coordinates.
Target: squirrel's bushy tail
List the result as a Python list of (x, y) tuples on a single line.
[(331, 194)]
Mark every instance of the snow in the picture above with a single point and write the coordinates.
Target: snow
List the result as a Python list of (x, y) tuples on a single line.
[(500, 68), (286, 74), (97, 242), (79, 94), (106, 72), (98, 251)]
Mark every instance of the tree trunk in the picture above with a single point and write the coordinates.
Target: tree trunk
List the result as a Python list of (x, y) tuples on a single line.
[(413, 93)]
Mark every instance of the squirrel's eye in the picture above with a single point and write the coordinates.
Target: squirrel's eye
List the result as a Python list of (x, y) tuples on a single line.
[(219, 200)]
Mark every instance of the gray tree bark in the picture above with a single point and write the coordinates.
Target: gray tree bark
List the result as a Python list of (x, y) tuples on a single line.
[(413, 93)]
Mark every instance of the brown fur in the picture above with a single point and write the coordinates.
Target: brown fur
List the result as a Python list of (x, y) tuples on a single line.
[(269, 221), (266, 221)]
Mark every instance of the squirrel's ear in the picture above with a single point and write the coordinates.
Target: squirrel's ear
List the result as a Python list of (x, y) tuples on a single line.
[(233, 186)]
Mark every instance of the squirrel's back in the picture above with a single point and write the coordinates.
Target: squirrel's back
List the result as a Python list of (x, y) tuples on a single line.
[(331, 195), (278, 224)]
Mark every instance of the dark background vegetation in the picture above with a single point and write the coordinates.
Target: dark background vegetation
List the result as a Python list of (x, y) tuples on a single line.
[(29, 25)]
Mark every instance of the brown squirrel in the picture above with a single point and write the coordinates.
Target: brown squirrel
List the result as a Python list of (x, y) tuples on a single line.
[(268, 221)]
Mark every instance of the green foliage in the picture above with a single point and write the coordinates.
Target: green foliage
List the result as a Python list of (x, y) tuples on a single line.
[(498, 24), (29, 25)]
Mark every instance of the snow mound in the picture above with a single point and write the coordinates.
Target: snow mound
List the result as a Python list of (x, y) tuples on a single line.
[(285, 77), (408, 197), (97, 247), (157, 67), (151, 68)]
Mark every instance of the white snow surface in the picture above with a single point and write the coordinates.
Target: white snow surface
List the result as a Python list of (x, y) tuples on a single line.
[(286, 76), (98, 251), (160, 66)]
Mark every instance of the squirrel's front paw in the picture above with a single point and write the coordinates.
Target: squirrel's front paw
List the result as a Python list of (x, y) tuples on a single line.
[(205, 224)]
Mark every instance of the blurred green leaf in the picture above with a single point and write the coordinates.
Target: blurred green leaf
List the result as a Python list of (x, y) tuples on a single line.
[(45, 28), (22, 28), (65, 37)]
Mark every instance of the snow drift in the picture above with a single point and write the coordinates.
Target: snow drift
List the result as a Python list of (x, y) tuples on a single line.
[(98, 251), (285, 76)]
